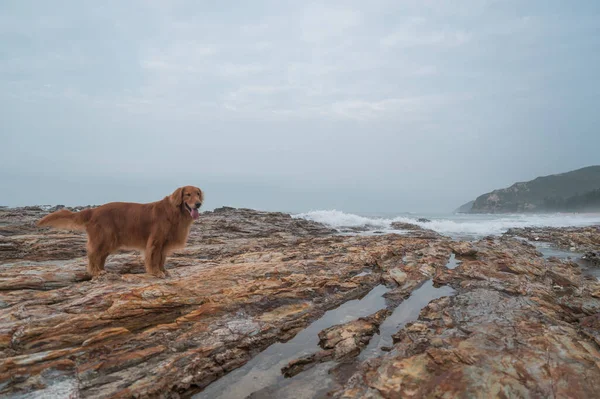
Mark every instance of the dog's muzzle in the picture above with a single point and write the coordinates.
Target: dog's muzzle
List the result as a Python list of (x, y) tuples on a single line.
[(193, 211)]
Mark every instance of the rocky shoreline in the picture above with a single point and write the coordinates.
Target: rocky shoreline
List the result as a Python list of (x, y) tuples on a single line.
[(516, 324)]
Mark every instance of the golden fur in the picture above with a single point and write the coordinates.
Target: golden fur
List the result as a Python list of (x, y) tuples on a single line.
[(156, 228)]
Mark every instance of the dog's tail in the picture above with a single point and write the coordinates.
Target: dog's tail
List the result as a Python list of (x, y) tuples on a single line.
[(66, 220)]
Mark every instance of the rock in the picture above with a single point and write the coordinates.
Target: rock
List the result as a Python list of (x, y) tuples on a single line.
[(592, 257), (339, 342), (343, 338), (246, 280), (463, 249), (574, 239), (518, 325), (423, 220), (405, 226), (414, 230), (398, 275), (303, 363), (507, 332)]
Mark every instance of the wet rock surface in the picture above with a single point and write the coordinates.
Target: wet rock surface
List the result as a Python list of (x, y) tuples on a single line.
[(575, 239), (517, 324), (339, 342), (513, 329), (592, 257), (415, 230)]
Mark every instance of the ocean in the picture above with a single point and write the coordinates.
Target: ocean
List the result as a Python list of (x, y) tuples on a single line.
[(458, 226)]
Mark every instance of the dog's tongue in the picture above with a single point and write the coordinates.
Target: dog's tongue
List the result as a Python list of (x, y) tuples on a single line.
[(195, 214)]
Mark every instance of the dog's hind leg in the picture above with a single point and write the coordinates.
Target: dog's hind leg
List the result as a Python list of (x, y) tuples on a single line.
[(96, 259), (155, 259), (98, 250), (96, 263)]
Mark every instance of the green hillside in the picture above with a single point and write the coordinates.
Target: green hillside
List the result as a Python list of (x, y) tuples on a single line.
[(575, 191)]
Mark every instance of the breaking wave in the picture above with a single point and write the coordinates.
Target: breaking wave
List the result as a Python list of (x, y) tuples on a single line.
[(451, 225)]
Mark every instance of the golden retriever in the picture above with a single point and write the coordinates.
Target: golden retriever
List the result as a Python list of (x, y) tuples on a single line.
[(156, 228)]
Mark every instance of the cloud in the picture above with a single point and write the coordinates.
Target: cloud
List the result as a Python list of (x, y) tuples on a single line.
[(179, 56), (367, 93), (407, 108), (426, 70), (416, 32), (320, 23), (230, 70), (319, 65), (411, 39)]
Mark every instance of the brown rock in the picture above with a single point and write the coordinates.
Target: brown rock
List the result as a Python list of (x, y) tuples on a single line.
[(519, 325), (592, 258), (415, 230), (245, 280), (576, 239), (339, 342), (508, 332)]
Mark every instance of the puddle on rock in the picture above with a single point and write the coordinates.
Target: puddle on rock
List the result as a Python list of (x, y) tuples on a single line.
[(406, 312), (313, 383), (549, 251), (261, 378), (452, 262), (264, 370)]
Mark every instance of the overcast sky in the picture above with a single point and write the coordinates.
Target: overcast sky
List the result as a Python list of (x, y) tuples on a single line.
[(362, 106)]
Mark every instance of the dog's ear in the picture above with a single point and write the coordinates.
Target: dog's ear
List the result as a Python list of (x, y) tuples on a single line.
[(177, 197)]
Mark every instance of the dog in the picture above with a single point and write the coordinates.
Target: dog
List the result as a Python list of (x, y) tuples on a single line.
[(157, 228)]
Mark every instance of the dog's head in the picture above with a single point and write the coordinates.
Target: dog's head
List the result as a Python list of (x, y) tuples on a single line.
[(188, 198)]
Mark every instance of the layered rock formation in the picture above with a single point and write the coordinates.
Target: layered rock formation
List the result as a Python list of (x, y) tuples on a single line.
[(519, 324), (575, 239), (246, 280), (339, 342)]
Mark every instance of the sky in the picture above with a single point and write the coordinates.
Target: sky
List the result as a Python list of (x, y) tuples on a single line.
[(360, 106)]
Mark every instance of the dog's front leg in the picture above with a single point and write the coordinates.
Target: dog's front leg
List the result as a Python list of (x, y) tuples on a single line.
[(162, 264), (155, 258), (95, 266)]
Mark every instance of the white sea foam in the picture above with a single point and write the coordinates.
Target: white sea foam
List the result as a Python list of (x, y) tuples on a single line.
[(339, 219), (453, 225)]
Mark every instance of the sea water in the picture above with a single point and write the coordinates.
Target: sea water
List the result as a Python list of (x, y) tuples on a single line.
[(458, 226)]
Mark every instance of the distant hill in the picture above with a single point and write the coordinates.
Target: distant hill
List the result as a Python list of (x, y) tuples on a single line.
[(466, 208), (575, 191)]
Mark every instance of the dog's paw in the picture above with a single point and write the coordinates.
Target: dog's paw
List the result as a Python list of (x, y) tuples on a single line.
[(105, 276), (98, 274), (160, 274)]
